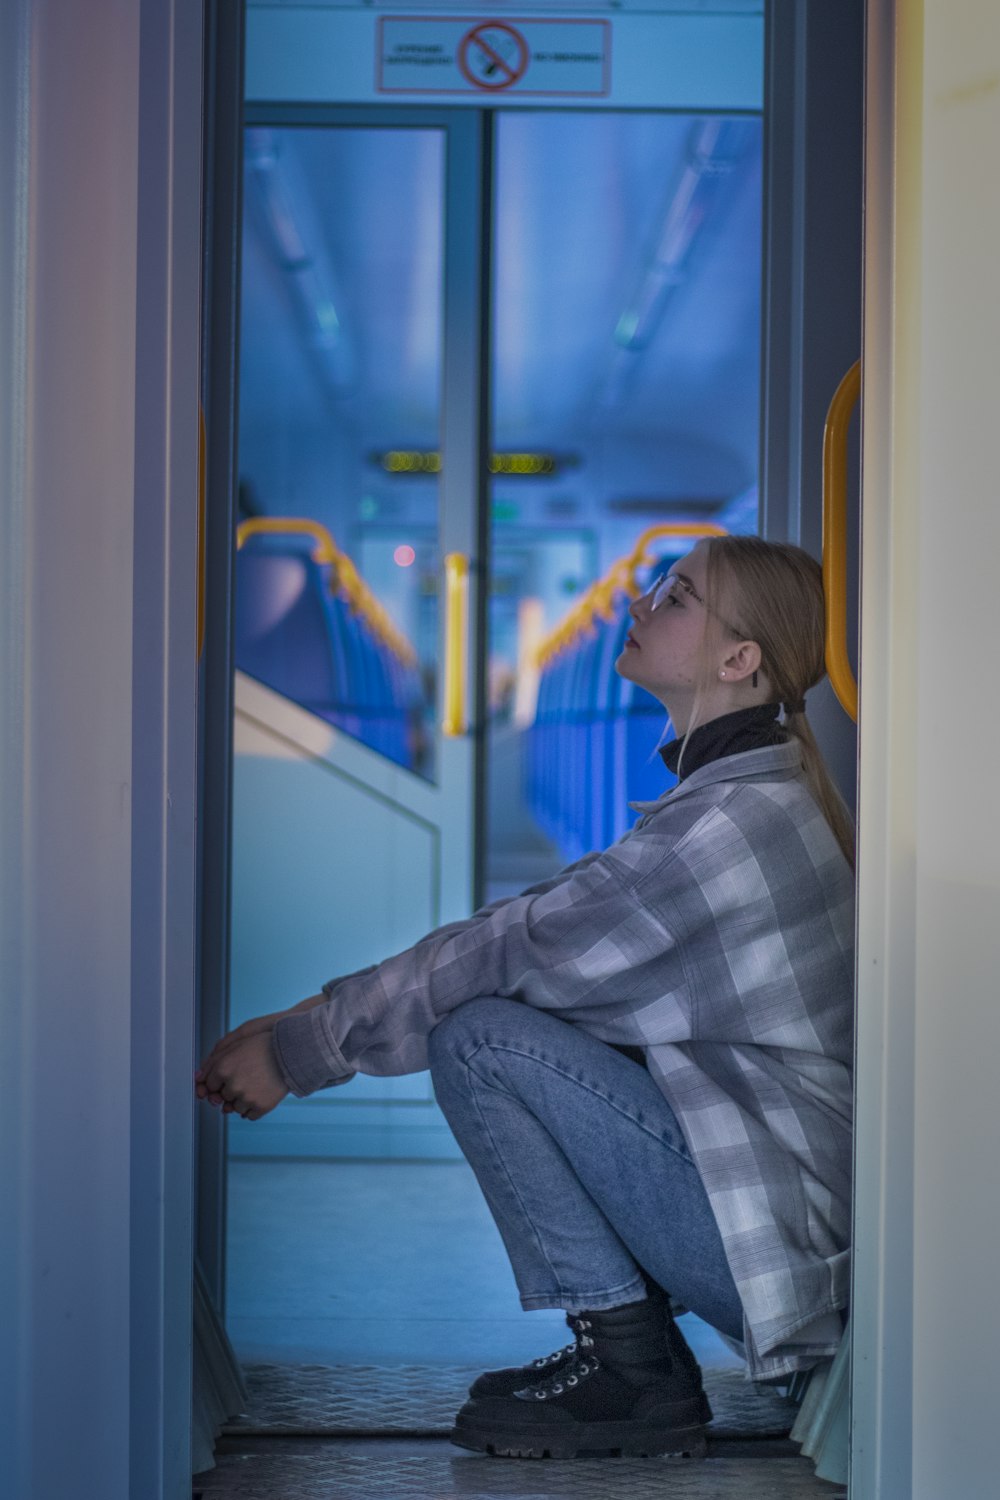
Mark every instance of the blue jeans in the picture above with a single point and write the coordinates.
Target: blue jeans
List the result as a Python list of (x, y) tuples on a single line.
[(582, 1162)]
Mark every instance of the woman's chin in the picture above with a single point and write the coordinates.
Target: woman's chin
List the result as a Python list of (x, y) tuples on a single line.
[(629, 667)]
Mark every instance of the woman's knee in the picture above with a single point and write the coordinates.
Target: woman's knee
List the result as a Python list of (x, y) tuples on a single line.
[(467, 1027)]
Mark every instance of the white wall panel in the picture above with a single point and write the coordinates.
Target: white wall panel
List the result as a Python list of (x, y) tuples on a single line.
[(928, 1214), (327, 878), (334, 868)]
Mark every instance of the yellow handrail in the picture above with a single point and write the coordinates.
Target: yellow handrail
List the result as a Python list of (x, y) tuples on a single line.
[(456, 575), (835, 538), (640, 555), (598, 601), (325, 550), (202, 539), (344, 577)]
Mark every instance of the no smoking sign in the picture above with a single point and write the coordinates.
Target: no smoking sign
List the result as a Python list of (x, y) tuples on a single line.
[(521, 55), (493, 56)]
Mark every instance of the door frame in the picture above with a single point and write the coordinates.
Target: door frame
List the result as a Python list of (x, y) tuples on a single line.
[(99, 286)]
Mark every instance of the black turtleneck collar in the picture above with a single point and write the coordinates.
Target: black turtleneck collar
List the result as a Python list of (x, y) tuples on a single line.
[(747, 729)]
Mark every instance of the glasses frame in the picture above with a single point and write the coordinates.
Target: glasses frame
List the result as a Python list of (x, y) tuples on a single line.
[(657, 594)]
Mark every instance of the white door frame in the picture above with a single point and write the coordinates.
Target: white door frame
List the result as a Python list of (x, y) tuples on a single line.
[(99, 311), (927, 1206)]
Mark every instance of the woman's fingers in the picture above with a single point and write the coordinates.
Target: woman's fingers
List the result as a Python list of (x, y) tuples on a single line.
[(233, 1039), (243, 1078), (223, 1045)]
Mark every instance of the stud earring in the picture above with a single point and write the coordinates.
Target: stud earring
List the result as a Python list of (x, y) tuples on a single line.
[(722, 674)]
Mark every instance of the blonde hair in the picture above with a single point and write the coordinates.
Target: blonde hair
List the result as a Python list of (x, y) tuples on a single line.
[(774, 591)]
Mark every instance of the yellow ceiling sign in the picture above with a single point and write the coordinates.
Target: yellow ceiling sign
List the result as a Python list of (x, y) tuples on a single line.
[(424, 461)]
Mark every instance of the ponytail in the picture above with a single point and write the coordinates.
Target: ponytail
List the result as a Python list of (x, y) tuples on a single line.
[(776, 591), (822, 785)]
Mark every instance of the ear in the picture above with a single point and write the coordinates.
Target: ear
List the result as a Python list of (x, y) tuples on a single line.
[(742, 661)]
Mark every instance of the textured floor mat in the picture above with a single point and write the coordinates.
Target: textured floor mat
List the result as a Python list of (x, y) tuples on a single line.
[(344, 1400), (323, 1473)]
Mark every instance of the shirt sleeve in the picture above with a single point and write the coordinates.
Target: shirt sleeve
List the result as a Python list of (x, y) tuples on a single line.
[(464, 923), (583, 945)]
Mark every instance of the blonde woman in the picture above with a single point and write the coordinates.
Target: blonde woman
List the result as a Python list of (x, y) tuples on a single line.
[(647, 1059)]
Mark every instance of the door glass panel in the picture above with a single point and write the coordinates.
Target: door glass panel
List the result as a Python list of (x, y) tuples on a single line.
[(340, 399), (626, 314)]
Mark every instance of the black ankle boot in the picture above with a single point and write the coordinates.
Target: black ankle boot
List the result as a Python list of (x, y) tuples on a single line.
[(620, 1393), (506, 1382), (679, 1349)]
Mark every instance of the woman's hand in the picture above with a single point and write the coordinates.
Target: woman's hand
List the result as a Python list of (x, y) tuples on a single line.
[(241, 1073), (208, 1077)]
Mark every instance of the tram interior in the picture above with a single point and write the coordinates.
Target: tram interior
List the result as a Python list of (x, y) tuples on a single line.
[(624, 305), (624, 374)]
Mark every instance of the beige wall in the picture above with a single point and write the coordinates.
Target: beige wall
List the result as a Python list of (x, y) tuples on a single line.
[(928, 1227), (100, 157)]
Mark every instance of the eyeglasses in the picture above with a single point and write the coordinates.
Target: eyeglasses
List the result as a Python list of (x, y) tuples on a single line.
[(672, 589)]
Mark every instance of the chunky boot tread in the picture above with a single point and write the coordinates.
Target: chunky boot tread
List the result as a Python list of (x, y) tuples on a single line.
[(582, 1440)]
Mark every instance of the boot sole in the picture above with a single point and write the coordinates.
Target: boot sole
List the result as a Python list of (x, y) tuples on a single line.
[(583, 1440), (704, 1409)]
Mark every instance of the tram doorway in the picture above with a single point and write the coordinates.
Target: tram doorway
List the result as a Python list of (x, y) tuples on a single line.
[(529, 379), (497, 367)]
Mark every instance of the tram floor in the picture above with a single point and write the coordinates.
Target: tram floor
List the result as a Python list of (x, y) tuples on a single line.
[(388, 1281), (410, 1469)]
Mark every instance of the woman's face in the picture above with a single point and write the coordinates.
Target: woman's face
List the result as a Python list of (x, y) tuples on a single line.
[(662, 649)]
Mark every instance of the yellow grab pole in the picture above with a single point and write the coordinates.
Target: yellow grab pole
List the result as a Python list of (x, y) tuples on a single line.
[(456, 576), (838, 420)]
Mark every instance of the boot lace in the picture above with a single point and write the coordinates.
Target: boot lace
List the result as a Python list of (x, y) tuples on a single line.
[(579, 1327), (580, 1366)]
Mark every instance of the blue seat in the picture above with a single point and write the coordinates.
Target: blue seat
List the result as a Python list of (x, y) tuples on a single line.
[(282, 633), (307, 644)]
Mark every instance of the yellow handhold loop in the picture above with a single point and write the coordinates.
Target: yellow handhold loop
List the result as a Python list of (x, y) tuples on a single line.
[(344, 577)]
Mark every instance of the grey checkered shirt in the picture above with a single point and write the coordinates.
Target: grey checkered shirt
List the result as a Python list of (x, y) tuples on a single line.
[(717, 934)]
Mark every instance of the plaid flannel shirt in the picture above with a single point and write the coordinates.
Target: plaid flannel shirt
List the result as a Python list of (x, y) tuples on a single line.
[(718, 935)]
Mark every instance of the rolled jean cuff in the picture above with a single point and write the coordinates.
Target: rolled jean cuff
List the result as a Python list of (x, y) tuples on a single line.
[(631, 1291)]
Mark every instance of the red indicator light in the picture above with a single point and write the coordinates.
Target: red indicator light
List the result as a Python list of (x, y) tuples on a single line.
[(404, 556)]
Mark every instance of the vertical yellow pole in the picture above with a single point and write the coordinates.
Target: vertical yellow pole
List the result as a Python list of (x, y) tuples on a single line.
[(456, 574), (835, 538)]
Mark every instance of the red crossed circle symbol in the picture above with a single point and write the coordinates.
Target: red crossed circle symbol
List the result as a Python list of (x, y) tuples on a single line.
[(493, 56)]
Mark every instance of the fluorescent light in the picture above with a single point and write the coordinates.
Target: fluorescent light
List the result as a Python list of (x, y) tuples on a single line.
[(296, 241)]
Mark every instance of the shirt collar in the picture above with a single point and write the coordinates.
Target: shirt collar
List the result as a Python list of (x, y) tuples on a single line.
[(769, 763)]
